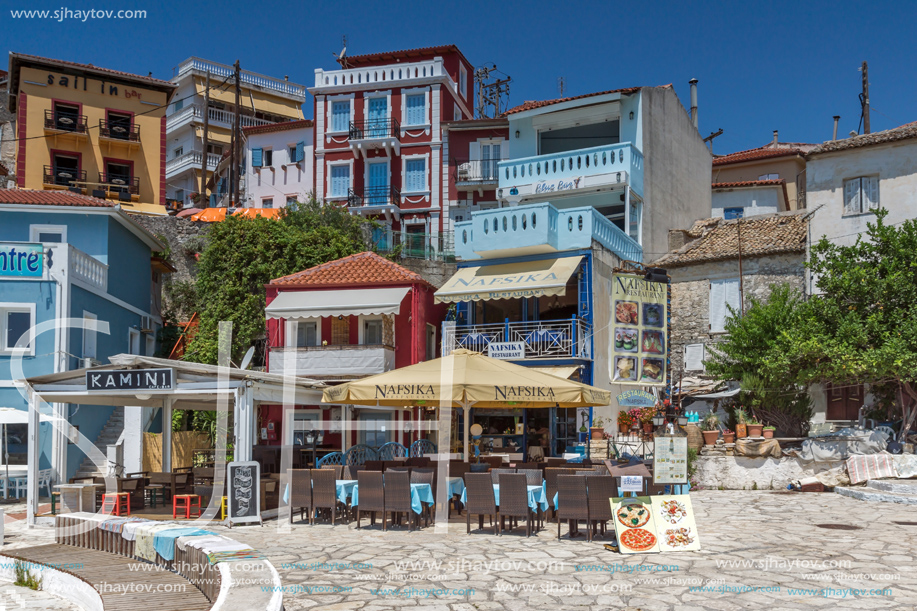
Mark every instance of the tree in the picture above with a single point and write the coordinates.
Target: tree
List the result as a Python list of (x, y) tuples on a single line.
[(242, 255)]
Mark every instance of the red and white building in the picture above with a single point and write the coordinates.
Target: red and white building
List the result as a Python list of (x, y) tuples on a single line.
[(472, 150), (378, 134)]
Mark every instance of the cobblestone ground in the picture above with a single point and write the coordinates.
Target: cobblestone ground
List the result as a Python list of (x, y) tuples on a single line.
[(760, 550), (14, 597)]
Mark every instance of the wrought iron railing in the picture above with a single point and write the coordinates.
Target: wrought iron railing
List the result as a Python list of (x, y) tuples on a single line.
[(439, 247), (477, 171), (375, 128), (120, 183), (65, 121), (63, 177), (374, 196), (119, 130), (541, 339)]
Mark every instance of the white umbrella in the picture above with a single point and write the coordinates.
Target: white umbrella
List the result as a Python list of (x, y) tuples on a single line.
[(11, 415)]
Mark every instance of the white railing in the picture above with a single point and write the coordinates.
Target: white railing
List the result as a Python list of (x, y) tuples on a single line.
[(192, 159), (215, 115), (542, 339), (382, 74), (281, 86), (88, 269)]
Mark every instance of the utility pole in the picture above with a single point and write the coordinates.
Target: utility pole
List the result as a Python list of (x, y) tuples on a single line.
[(741, 279), (864, 98), (236, 139), (561, 83), (203, 191), (489, 94)]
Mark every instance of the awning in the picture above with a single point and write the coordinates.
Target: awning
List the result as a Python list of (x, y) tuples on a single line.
[(509, 281), (560, 372), (351, 302), (718, 395)]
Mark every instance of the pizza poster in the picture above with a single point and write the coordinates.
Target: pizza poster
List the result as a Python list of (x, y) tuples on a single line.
[(676, 530), (670, 463), (639, 320), (635, 527)]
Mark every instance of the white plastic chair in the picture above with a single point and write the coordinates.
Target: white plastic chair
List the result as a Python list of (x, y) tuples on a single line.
[(21, 487), (889, 431)]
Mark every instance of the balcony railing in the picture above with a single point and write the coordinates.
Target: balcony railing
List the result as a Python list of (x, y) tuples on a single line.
[(543, 339), (88, 269), (62, 177), (440, 247), (215, 116), (118, 130), (65, 121), (334, 360), (202, 66), (191, 160), (476, 172), (383, 74), (118, 182), (375, 128), (374, 196)]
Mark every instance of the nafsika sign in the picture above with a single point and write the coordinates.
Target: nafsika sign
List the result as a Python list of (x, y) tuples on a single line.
[(639, 319)]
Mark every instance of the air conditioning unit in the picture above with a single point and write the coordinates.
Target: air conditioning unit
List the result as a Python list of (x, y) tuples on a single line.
[(87, 362), (146, 324)]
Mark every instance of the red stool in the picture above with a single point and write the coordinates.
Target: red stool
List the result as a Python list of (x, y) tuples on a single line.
[(117, 503), (183, 502)]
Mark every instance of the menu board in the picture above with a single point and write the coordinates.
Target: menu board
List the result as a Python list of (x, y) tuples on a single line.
[(639, 319), (243, 483), (675, 526), (670, 462), (635, 526)]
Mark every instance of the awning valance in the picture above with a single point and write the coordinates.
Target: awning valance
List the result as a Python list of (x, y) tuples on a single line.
[(509, 281), (350, 302), (561, 371)]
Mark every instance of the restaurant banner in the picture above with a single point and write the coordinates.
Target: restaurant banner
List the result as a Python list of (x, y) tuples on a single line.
[(639, 321)]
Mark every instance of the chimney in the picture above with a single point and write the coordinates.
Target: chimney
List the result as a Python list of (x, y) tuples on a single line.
[(836, 119), (693, 83), (775, 139)]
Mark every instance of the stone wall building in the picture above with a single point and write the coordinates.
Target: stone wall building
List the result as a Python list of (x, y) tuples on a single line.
[(703, 262)]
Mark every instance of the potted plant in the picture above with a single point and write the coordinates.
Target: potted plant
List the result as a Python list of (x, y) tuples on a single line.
[(624, 422), (711, 428), (741, 422), (729, 436), (646, 418), (769, 431), (754, 427), (635, 414), (597, 430)]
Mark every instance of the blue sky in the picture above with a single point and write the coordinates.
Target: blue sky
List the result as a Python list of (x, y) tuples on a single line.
[(762, 66)]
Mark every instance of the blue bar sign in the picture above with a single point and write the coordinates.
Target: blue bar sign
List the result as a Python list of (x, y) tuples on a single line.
[(18, 259)]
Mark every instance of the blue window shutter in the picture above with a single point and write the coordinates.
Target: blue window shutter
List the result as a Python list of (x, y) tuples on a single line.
[(340, 180), (340, 116), (416, 110), (415, 178), (300, 151), (213, 200), (256, 158), (221, 187)]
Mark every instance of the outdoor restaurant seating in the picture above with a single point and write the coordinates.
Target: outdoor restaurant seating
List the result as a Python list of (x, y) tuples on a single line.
[(495, 462), (173, 483), (496, 473), (372, 496), (458, 468), (425, 476), (533, 477), (301, 493), (480, 500), (550, 482), (338, 470), (397, 496), (572, 503), (420, 461), (323, 492), (373, 465), (600, 489), (514, 501)]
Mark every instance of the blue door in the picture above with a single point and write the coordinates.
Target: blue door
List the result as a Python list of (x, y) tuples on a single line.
[(377, 116), (377, 190)]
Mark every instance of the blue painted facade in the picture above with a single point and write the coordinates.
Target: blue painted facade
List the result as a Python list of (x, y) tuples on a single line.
[(101, 266)]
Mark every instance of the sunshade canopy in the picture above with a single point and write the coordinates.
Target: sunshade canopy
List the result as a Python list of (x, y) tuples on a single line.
[(560, 371), (467, 378), (11, 415), (509, 280), (350, 302)]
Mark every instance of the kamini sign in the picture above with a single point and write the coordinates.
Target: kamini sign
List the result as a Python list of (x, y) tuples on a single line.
[(560, 184), (21, 260), (130, 379)]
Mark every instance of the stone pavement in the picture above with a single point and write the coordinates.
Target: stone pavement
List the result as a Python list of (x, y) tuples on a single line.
[(14, 597), (760, 550)]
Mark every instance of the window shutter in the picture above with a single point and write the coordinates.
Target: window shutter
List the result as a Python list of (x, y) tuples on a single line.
[(300, 151), (694, 355), (221, 186), (256, 158), (852, 196), (415, 178), (732, 298), (871, 192), (474, 151), (717, 306), (213, 200), (416, 107), (340, 116)]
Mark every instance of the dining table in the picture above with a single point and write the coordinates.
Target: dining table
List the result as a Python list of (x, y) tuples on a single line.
[(343, 489), (537, 497), (421, 494), (78, 497)]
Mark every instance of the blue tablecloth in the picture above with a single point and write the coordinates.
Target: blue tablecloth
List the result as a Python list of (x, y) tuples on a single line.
[(420, 493), (343, 488), (456, 486), (537, 497), (164, 540)]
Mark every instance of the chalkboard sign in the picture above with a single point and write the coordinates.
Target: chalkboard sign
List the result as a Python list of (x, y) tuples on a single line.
[(243, 487)]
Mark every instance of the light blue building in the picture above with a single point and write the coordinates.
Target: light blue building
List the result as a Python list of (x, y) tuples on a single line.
[(91, 261), (589, 182)]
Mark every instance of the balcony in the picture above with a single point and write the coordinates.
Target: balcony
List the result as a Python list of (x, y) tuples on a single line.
[(190, 160), (218, 71), (62, 177), (119, 131), (65, 123), (375, 133), (374, 200), (88, 269), (542, 339), (474, 174), (120, 184), (539, 229), (601, 168), (440, 247), (400, 75), (343, 361), (215, 117)]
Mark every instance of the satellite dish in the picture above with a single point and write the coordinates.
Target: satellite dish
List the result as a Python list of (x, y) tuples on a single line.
[(247, 359), (342, 56)]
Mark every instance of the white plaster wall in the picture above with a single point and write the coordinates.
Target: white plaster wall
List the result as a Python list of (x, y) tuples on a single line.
[(133, 439), (743, 473), (753, 201), (284, 178)]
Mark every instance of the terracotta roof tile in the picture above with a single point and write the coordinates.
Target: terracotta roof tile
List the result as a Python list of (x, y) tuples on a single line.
[(533, 104), (717, 239), (362, 268), (51, 198), (37, 58), (748, 183), (764, 152), (403, 54), (278, 127), (903, 132)]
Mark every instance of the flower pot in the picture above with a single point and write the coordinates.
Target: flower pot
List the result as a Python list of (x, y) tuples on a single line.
[(647, 427), (741, 431), (754, 430), (597, 432), (729, 437), (710, 437), (768, 433)]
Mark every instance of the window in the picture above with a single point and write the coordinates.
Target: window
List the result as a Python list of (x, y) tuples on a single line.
[(733, 213), (55, 234), (215, 149), (306, 334), (769, 177), (89, 337), (374, 428), (463, 81), (67, 117), (257, 158), (291, 200), (118, 174), (372, 332), (456, 113), (150, 345), (340, 116), (292, 151), (267, 202), (16, 319), (431, 342), (179, 104), (178, 152), (65, 169), (415, 175), (268, 158), (861, 194), (119, 125), (723, 295), (340, 180), (416, 111), (133, 341)]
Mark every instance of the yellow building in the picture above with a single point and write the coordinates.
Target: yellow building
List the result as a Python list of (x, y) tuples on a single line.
[(263, 100), (91, 130)]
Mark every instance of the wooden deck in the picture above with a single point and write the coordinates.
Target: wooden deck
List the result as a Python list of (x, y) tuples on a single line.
[(119, 586)]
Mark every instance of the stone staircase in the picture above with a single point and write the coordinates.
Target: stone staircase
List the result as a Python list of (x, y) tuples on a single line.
[(902, 491), (109, 436)]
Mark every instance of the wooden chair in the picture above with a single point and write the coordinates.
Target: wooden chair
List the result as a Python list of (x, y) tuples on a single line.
[(338, 470), (599, 489), (572, 502), (373, 465), (525, 465), (479, 489), (555, 462), (550, 482), (533, 477), (425, 475), (458, 468), (397, 488), (496, 473), (300, 481), (421, 461), (514, 501), (135, 487), (324, 494), (372, 496)]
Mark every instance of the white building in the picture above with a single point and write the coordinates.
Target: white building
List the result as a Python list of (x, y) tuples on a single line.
[(264, 101), (731, 200), (278, 164)]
